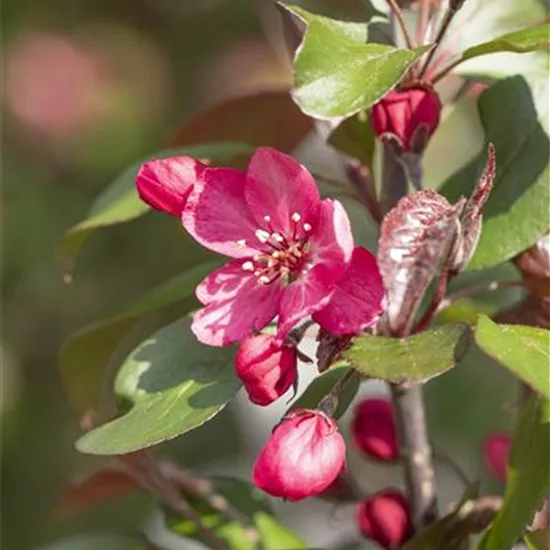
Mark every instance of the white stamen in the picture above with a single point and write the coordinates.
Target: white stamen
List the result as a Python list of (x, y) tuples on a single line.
[(267, 219), (263, 280), (257, 272), (296, 217), (307, 227), (248, 266), (241, 242), (263, 236), (277, 237), (276, 254)]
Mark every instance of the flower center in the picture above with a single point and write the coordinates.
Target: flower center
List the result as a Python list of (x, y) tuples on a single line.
[(286, 256)]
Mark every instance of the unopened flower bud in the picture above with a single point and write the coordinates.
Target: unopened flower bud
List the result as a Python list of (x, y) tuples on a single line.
[(266, 367), (385, 518), (496, 447), (534, 265), (165, 184), (303, 456), (407, 117), (373, 429)]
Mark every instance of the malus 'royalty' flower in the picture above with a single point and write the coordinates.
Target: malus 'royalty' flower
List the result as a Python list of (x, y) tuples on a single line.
[(385, 518), (266, 367), (496, 448), (165, 184), (290, 250), (302, 458), (373, 429), (407, 116)]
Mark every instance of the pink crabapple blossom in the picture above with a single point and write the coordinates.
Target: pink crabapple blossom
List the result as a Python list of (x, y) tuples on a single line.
[(302, 458), (266, 367), (292, 252), (373, 429), (496, 448), (385, 518)]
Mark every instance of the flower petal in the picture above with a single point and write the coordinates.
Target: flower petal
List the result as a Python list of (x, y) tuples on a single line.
[(358, 299), (236, 305), (217, 215), (331, 247), (165, 184), (278, 186)]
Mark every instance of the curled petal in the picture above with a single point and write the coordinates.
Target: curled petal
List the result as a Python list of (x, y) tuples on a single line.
[(358, 299), (236, 305), (279, 187), (217, 215), (165, 184)]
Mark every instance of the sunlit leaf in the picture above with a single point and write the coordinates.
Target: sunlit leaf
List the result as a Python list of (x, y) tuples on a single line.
[(523, 350), (528, 479), (85, 357), (336, 73), (514, 113), (418, 357), (173, 384)]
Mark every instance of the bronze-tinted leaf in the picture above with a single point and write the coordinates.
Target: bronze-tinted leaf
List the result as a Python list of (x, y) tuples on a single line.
[(416, 238)]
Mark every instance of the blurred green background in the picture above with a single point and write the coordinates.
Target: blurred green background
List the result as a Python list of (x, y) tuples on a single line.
[(90, 86)]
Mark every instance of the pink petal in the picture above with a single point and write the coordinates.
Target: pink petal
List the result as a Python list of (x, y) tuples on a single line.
[(217, 215), (331, 246), (278, 186), (358, 299), (165, 184), (236, 305)]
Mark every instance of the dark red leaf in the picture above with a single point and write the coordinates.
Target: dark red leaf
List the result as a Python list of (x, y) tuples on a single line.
[(415, 240)]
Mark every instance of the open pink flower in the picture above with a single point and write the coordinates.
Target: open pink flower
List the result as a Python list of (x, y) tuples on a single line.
[(302, 458), (290, 249)]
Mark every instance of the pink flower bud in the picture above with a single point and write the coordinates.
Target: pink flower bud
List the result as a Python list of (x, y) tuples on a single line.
[(165, 184), (385, 518), (495, 452), (303, 456), (266, 367), (373, 429), (407, 115)]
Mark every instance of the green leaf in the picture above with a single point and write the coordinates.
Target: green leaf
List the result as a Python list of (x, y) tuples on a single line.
[(252, 505), (418, 357), (120, 203), (336, 73), (523, 350), (514, 114), (174, 384), (95, 542), (538, 540), (528, 479), (85, 357), (525, 40), (322, 384), (355, 137)]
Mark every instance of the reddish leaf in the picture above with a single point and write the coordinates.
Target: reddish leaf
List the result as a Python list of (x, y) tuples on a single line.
[(101, 485), (471, 219), (416, 238), (268, 118)]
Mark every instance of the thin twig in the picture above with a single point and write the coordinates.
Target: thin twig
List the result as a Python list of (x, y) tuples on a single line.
[(361, 177), (422, 21), (415, 452), (146, 471), (329, 403), (437, 298), (398, 14), (438, 454), (451, 12), (202, 488), (394, 180)]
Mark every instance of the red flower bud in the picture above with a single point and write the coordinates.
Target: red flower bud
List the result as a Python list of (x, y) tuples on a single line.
[(373, 429), (303, 456), (165, 184), (385, 518), (495, 452), (266, 367), (407, 115)]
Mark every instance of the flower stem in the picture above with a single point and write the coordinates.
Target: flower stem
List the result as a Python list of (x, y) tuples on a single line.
[(398, 14), (394, 179), (329, 403), (416, 452)]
